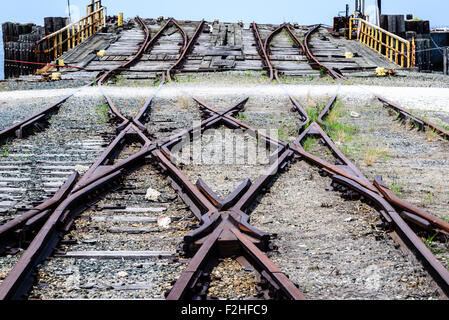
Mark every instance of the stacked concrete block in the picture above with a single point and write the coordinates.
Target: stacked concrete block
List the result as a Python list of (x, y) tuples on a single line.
[(393, 23), (18, 43), (420, 30)]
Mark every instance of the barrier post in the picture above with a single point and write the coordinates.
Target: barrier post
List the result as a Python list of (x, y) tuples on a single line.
[(120, 19)]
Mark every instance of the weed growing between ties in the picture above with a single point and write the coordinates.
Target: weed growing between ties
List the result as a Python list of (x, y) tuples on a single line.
[(313, 114), (431, 135), (120, 80), (184, 101), (102, 112), (373, 152), (288, 130), (4, 152), (429, 242), (309, 143), (397, 188), (341, 133), (241, 116), (338, 131), (428, 198), (445, 127), (347, 139), (219, 77)]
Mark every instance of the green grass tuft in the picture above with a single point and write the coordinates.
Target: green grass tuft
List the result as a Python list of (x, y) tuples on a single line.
[(288, 128), (4, 149), (102, 112), (313, 114), (338, 131), (309, 143), (241, 116), (397, 189)]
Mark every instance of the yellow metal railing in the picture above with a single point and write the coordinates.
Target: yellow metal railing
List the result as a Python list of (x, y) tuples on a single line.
[(93, 7), (54, 45), (394, 48)]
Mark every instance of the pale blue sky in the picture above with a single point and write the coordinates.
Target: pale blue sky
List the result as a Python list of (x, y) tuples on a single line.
[(262, 11)]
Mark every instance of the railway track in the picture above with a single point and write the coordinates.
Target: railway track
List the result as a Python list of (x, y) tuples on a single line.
[(114, 210), (35, 168)]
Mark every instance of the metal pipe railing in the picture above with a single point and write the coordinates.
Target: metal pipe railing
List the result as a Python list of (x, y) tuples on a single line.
[(394, 48), (54, 45)]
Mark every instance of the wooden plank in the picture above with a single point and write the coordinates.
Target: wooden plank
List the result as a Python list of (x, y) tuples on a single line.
[(128, 219), (134, 230), (138, 255)]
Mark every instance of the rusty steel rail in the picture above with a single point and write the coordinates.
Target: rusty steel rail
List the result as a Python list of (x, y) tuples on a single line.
[(20, 279), (266, 45), (37, 121), (334, 72), (345, 168), (275, 284), (194, 277), (157, 36), (225, 230), (132, 133), (102, 176), (185, 51), (328, 107), (235, 123), (100, 179), (146, 47), (77, 196), (144, 112), (262, 52), (385, 205), (403, 113), (436, 269), (421, 123), (407, 208), (30, 221), (345, 173), (193, 281), (305, 50), (263, 49), (295, 39), (15, 232), (342, 162), (113, 111)]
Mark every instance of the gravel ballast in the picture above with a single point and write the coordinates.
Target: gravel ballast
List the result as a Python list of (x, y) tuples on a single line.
[(329, 247)]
